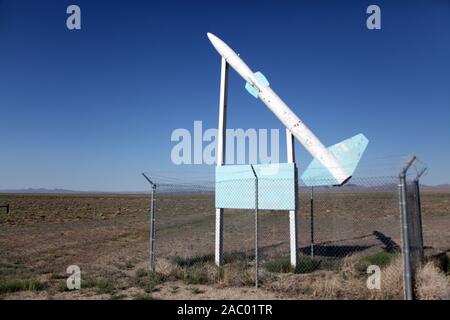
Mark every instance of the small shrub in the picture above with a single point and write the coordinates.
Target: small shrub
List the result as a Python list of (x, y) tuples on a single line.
[(307, 264), (195, 270), (141, 273), (155, 277), (88, 283), (104, 287), (176, 273), (62, 287), (217, 274), (16, 285), (196, 276), (381, 259), (147, 280), (238, 274), (431, 283), (283, 265)]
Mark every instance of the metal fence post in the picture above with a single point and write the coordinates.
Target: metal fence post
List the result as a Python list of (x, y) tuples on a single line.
[(256, 230), (407, 273), (152, 237), (312, 221), (419, 211), (153, 230)]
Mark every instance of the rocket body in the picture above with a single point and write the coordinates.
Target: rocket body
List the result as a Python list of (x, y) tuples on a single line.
[(290, 120)]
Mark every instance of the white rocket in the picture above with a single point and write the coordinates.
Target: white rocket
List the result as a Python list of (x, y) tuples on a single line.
[(258, 86)]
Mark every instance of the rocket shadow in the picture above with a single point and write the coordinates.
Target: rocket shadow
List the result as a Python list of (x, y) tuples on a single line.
[(389, 245), (333, 250)]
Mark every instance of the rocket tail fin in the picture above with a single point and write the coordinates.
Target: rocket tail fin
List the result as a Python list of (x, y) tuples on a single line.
[(348, 153), (262, 80)]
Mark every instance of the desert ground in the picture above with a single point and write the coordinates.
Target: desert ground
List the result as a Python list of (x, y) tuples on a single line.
[(107, 236)]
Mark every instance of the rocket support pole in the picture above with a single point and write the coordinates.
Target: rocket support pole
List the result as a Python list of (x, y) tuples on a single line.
[(221, 139), (292, 213)]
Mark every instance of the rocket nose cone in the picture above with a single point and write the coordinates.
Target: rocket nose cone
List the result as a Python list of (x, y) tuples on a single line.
[(210, 36), (216, 42), (213, 38), (220, 46)]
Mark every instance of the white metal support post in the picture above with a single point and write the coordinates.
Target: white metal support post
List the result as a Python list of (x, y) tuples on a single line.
[(292, 213), (221, 139)]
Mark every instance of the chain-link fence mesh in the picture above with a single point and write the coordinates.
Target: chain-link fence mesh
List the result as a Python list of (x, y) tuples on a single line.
[(351, 227), (358, 219)]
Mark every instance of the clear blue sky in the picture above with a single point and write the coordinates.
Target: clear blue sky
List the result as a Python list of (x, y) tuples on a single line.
[(91, 109)]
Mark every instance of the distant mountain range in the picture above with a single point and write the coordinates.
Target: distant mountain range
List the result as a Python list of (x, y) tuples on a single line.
[(439, 187), (436, 188), (44, 190)]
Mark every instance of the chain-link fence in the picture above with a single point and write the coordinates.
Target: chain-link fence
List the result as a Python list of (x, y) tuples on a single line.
[(358, 219), (341, 231)]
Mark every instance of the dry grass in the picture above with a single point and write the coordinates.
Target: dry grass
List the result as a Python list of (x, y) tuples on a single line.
[(234, 274), (239, 274), (432, 284), (349, 282), (346, 283), (391, 282)]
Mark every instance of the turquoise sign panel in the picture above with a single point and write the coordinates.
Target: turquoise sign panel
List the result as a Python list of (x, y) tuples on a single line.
[(348, 153), (235, 186)]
